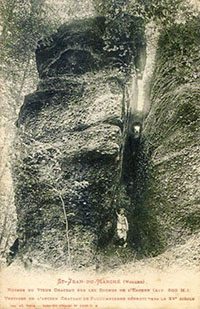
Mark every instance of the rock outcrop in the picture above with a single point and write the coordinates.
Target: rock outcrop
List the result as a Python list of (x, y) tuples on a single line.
[(80, 163), (72, 133), (166, 188)]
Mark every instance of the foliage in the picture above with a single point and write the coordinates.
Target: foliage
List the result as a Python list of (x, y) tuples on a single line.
[(126, 20), (62, 11), (124, 33), (164, 13), (22, 23), (179, 56)]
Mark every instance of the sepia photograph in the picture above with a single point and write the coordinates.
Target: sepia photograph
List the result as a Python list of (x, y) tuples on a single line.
[(99, 154)]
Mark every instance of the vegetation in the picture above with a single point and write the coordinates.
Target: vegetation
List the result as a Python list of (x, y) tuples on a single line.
[(23, 23)]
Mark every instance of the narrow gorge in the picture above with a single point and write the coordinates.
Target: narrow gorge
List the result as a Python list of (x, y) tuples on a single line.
[(109, 129)]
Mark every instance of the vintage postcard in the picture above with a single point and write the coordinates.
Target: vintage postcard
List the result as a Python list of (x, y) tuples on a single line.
[(100, 166)]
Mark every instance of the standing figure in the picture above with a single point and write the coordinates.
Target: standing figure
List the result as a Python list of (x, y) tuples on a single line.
[(122, 226)]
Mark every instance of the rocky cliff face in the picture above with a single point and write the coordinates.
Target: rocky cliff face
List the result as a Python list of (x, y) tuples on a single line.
[(166, 188), (80, 161), (72, 133)]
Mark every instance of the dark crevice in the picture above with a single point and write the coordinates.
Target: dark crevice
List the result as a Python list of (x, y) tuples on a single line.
[(144, 229)]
